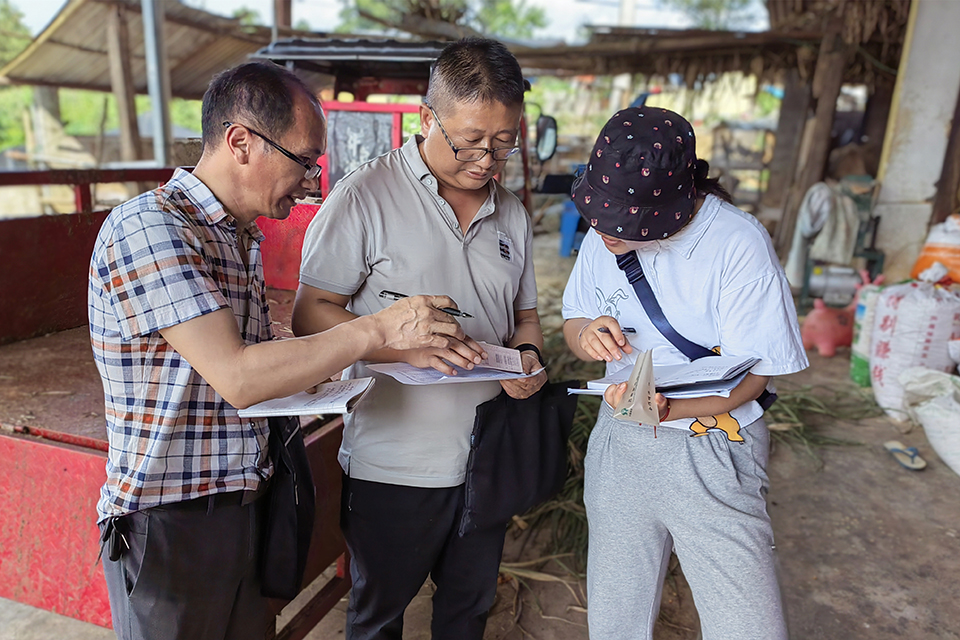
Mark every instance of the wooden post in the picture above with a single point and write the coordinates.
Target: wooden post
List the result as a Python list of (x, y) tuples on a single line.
[(282, 14), (875, 118), (793, 115), (827, 80), (121, 81)]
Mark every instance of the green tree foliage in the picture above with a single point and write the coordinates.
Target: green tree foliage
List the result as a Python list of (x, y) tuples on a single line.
[(498, 18), (509, 18), (14, 101), (247, 16), (84, 112), (716, 14), (358, 16), (14, 37)]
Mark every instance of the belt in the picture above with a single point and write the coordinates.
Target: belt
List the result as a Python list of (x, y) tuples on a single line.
[(217, 500)]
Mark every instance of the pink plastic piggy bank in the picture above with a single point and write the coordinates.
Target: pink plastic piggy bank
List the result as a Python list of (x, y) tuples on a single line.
[(827, 328)]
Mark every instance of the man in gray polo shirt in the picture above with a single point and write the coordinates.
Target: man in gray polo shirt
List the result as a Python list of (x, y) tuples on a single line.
[(427, 218)]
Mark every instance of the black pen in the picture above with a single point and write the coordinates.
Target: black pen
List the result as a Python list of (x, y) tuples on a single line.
[(393, 295), (622, 330)]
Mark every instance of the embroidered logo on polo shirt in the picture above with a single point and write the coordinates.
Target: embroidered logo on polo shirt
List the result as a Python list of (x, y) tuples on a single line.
[(506, 246)]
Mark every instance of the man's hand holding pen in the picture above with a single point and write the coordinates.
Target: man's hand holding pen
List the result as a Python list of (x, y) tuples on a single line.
[(393, 295), (429, 334)]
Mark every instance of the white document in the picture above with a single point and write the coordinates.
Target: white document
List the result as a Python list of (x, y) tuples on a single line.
[(340, 396), (503, 358), (638, 402), (408, 374)]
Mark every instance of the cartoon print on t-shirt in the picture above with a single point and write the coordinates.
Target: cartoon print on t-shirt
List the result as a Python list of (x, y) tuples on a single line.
[(609, 305), (724, 422)]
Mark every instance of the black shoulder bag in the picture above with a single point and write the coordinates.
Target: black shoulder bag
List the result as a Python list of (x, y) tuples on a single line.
[(518, 455), (630, 265), (290, 512)]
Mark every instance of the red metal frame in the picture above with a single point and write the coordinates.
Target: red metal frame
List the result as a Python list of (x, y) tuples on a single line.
[(50, 474), (81, 179), (48, 531), (284, 238), (396, 108)]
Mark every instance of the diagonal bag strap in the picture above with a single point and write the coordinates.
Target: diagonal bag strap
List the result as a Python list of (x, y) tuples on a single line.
[(630, 265)]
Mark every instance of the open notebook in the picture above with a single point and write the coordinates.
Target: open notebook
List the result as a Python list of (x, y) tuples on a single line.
[(712, 376), (340, 396)]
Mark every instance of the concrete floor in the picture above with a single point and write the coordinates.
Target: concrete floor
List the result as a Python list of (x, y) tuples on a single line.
[(868, 549), (20, 622)]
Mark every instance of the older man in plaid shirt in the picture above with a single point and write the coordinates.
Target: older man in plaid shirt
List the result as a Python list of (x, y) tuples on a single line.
[(181, 336)]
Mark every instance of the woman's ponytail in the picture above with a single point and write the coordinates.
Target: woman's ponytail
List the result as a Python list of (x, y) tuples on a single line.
[(707, 186)]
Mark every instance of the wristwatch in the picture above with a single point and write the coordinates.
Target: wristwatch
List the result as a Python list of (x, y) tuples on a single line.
[(526, 346)]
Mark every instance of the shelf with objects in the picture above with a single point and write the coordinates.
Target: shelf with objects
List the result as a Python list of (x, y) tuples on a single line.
[(740, 157), (835, 239)]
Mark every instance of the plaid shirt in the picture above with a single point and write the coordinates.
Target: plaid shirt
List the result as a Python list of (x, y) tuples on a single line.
[(163, 258)]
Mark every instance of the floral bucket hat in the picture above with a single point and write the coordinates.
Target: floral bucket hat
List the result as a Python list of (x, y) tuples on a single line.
[(639, 181)]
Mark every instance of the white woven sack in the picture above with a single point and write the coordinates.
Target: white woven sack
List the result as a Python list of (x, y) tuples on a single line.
[(931, 399), (912, 324), (863, 333)]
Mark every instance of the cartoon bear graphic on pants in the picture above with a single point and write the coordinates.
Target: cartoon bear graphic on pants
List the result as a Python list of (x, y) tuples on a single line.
[(724, 422)]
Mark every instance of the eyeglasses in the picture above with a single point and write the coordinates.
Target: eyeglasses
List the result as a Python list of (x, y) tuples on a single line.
[(312, 169), (472, 154)]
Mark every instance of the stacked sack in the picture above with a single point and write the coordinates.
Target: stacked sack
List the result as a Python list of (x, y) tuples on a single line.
[(867, 297), (941, 247), (931, 399), (913, 322)]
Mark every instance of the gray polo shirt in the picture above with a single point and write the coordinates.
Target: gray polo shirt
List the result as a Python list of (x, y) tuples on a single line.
[(385, 226)]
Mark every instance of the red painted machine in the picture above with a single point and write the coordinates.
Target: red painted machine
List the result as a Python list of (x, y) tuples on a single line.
[(52, 432)]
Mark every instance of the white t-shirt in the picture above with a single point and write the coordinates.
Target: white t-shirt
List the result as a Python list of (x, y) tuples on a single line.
[(718, 282)]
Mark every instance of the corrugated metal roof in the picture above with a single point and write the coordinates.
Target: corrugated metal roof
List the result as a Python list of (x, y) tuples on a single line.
[(72, 50), (356, 57)]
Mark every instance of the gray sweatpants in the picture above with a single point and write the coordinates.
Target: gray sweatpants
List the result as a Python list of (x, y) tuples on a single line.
[(703, 496)]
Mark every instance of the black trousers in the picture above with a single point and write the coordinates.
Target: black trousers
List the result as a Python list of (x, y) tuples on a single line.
[(398, 536), (190, 572)]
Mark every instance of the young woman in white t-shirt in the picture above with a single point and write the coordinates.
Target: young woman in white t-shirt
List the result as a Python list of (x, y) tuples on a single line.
[(697, 483)]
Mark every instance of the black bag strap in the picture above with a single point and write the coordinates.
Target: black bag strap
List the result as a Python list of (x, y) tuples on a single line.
[(629, 263)]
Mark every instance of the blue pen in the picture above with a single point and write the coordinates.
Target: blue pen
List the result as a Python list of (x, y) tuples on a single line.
[(393, 295)]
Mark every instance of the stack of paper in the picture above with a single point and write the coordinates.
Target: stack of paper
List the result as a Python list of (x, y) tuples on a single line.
[(340, 396), (711, 376), (502, 363), (408, 374)]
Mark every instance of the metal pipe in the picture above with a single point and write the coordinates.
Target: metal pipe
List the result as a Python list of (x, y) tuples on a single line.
[(158, 79)]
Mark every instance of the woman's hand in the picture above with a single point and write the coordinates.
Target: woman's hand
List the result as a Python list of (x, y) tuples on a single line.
[(614, 394), (602, 339)]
